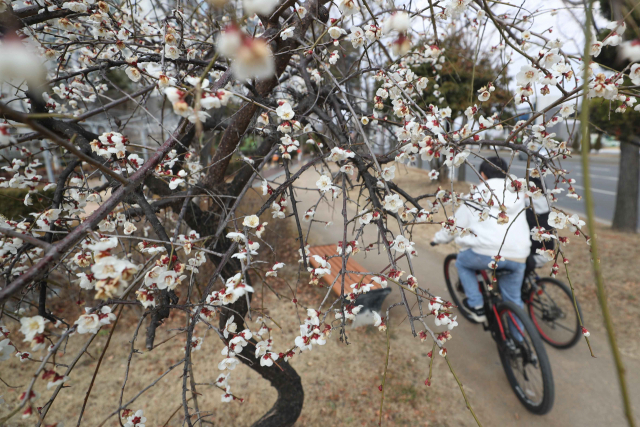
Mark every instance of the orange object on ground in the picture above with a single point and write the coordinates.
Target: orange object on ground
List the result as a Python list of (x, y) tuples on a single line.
[(336, 267)]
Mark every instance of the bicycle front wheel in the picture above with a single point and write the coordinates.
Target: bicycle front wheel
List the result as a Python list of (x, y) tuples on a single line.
[(524, 358), (552, 311)]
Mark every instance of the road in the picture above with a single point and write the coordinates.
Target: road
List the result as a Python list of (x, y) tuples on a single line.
[(604, 180), (586, 388)]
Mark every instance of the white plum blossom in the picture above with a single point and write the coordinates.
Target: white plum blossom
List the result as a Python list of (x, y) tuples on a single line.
[(398, 21), (17, 61), (31, 326), (57, 381), (596, 48), (357, 37), (137, 419), (336, 32), (634, 74), (229, 363), (365, 217), (129, 228), (134, 74), (527, 75), (567, 110), (268, 359), (348, 7), (388, 173), (75, 6), (324, 183), (455, 8), (615, 36), (574, 223), (88, 323), (287, 33), (338, 154), (172, 52), (392, 203), (547, 254), (274, 270), (175, 182), (557, 220), (252, 57), (284, 111), (402, 244), (516, 185), (251, 221)]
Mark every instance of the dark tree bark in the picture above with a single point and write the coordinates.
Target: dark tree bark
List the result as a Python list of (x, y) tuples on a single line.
[(625, 217), (282, 376)]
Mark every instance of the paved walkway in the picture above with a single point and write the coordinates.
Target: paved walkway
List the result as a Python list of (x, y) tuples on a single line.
[(587, 391)]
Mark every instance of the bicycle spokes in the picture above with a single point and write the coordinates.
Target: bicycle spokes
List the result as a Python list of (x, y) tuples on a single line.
[(522, 358), (553, 313)]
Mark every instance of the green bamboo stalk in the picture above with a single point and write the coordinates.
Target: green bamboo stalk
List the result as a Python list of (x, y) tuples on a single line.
[(586, 148)]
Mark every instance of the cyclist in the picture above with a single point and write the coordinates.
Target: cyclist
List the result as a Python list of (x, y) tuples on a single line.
[(487, 237), (538, 219)]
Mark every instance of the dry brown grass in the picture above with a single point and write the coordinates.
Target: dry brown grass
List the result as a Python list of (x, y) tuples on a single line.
[(619, 255), (340, 381)]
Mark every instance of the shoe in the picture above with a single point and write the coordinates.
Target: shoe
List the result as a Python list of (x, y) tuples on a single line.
[(475, 313)]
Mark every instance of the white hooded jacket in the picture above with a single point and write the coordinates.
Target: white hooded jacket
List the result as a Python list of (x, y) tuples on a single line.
[(486, 236)]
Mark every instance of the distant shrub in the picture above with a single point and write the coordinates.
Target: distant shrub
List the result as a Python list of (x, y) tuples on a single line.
[(12, 202)]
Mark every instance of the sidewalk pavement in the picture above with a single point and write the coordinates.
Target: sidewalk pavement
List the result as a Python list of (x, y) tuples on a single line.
[(587, 392)]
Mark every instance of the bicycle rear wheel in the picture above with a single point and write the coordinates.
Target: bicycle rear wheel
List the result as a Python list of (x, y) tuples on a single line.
[(552, 311), (454, 286), (524, 359)]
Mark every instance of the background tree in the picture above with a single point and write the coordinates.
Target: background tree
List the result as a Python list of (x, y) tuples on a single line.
[(625, 127), (622, 127), (465, 71)]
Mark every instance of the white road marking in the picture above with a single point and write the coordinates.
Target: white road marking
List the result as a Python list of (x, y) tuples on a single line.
[(601, 169), (608, 178), (596, 190)]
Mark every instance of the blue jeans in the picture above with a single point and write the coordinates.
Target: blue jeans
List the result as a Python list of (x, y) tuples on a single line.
[(510, 281)]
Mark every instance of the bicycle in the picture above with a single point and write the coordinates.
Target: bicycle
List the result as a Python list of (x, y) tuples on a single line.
[(549, 304), (522, 353)]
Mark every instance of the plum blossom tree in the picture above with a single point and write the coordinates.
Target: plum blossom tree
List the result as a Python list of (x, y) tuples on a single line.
[(215, 74)]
